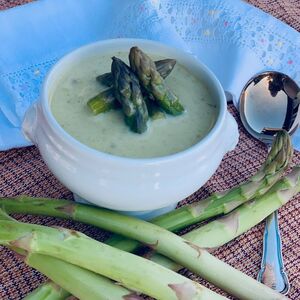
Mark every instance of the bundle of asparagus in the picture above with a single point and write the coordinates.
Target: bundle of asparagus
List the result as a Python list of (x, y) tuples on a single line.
[(187, 251), (138, 98)]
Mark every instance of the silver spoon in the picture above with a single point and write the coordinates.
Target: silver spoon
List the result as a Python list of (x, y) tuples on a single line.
[(270, 102)]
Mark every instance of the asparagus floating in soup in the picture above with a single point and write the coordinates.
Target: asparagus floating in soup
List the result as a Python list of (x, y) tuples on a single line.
[(108, 133)]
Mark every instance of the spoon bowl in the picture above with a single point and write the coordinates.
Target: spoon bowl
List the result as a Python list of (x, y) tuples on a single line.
[(269, 103)]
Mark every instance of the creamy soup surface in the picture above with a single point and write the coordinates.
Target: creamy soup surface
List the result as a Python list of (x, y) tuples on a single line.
[(108, 133)]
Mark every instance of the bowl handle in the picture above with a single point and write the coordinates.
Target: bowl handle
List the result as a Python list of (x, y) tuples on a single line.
[(30, 122), (231, 132)]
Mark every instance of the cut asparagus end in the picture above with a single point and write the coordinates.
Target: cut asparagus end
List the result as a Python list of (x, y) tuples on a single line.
[(48, 291), (80, 282), (103, 102)]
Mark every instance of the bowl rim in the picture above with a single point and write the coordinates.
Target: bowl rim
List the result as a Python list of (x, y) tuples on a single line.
[(81, 147)]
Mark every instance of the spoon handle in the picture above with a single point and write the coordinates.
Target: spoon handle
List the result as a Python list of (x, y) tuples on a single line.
[(272, 271)]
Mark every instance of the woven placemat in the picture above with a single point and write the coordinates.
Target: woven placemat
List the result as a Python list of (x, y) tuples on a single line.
[(22, 171)]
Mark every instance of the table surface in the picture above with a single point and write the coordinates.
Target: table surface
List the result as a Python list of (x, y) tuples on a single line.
[(22, 171)]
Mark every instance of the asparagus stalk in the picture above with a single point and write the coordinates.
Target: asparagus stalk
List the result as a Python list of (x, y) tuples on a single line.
[(164, 67), (106, 100), (126, 268), (48, 291), (217, 204), (82, 283), (128, 93), (222, 230), (153, 82)]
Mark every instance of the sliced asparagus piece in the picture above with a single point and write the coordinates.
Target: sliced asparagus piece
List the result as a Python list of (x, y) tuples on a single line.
[(126, 268), (48, 291), (128, 93), (274, 166), (103, 102), (153, 82), (164, 67)]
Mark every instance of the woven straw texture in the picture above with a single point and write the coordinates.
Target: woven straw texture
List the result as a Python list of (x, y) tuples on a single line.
[(22, 171)]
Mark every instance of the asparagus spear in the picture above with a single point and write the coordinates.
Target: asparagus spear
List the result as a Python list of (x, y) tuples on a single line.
[(128, 93), (103, 102), (164, 67), (151, 80), (80, 282), (222, 230), (217, 204), (127, 269), (48, 291)]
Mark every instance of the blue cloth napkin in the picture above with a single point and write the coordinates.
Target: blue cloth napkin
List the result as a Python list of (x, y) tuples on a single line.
[(234, 39)]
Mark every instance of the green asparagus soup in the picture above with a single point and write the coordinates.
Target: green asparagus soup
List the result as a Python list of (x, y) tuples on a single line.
[(108, 133)]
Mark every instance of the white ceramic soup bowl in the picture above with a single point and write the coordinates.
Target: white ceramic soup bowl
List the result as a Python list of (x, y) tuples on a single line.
[(129, 184)]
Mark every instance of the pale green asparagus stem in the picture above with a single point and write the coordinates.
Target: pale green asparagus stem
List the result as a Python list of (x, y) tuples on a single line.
[(48, 291), (220, 231), (126, 268), (103, 102), (82, 283)]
